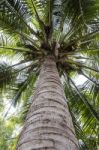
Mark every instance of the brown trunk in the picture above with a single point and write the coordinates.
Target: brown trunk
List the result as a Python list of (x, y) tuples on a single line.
[(48, 124)]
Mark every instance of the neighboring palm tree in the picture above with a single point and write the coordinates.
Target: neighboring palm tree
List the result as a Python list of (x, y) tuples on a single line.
[(56, 40)]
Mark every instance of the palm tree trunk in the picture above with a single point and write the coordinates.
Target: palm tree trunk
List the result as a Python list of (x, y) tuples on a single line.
[(48, 124)]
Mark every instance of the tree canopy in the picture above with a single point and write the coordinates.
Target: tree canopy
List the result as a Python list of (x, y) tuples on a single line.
[(67, 29)]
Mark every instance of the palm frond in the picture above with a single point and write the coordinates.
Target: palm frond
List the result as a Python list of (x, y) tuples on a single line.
[(6, 75), (88, 105), (84, 122)]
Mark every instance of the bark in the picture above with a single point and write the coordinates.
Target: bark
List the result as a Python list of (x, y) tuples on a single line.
[(48, 125)]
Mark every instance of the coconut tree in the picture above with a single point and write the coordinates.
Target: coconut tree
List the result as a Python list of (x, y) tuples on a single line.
[(56, 40)]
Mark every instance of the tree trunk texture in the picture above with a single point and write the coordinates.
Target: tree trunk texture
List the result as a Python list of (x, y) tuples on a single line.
[(48, 125)]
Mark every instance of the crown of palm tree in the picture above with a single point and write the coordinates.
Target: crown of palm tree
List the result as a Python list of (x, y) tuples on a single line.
[(66, 29)]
